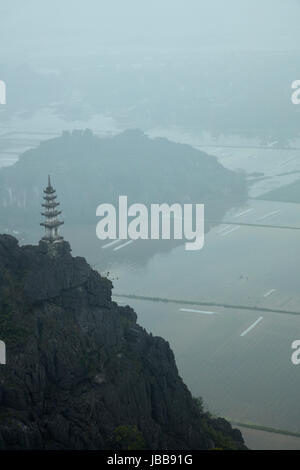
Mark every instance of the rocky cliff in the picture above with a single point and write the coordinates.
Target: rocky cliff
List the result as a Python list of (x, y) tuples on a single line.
[(81, 373)]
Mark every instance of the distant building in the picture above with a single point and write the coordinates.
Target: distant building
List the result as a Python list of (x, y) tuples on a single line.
[(51, 223)]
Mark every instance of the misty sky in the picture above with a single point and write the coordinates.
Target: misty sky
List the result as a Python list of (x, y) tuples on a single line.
[(63, 27)]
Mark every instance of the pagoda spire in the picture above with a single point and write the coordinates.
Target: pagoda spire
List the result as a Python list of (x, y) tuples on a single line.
[(51, 213)]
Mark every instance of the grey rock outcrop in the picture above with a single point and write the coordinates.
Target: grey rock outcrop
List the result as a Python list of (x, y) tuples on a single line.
[(79, 367)]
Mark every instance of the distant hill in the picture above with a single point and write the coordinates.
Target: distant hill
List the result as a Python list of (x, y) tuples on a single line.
[(87, 170)]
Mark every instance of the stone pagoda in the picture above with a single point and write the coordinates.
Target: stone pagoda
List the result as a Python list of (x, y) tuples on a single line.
[(51, 223)]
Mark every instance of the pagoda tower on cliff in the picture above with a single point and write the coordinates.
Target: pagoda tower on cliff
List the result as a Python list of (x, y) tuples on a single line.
[(51, 223)]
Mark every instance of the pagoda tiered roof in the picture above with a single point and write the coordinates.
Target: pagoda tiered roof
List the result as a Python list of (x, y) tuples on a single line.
[(49, 190), (51, 214), (50, 197), (52, 224), (51, 205)]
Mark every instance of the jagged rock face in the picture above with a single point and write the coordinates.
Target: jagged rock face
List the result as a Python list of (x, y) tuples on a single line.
[(102, 169), (79, 366)]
